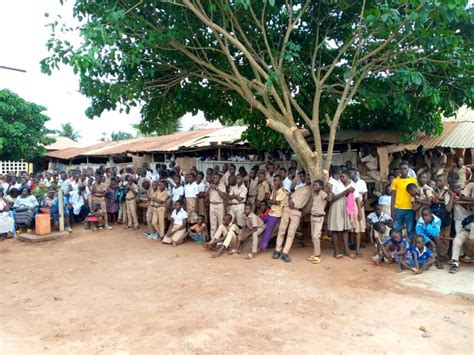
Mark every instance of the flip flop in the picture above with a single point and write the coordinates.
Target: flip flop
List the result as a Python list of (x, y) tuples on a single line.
[(249, 256), (316, 260), (311, 258), (233, 251), (339, 256)]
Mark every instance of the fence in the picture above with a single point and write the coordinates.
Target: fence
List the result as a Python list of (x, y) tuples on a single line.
[(15, 167)]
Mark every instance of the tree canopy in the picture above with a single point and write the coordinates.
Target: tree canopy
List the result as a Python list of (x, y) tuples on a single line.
[(23, 134), (295, 66), (67, 130)]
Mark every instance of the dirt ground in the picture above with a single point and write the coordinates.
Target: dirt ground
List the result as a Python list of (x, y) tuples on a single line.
[(116, 292)]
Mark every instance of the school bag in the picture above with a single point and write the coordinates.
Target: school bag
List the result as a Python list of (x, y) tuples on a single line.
[(120, 195)]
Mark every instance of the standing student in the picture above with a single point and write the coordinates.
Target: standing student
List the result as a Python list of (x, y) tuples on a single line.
[(462, 171), (290, 221), (263, 189), (191, 192), (216, 192), (318, 211), (177, 230), (276, 202), (385, 201), (361, 198), (201, 203), (236, 199), (112, 203), (177, 191), (339, 222), (99, 190), (159, 199), (270, 174), (301, 180), (442, 206), (287, 183), (253, 227), (402, 207), (149, 212), (253, 187), (131, 200)]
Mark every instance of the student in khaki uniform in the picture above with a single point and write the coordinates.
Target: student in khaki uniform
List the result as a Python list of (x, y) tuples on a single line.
[(201, 202), (290, 221), (99, 190), (270, 174), (230, 172), (424, 196), (226, 234), (216, 193), (224, 172), (150, 209), (236, 199), (191, 192), (263, 189), (131, 200), (318, 211), (443, 202), (253, 227), (277, 200), (159, 200), (253, 187)]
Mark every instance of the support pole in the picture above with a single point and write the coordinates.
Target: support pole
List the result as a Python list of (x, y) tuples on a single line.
[(61, 210)]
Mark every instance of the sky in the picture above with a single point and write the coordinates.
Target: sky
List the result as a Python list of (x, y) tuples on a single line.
[(22, 41)]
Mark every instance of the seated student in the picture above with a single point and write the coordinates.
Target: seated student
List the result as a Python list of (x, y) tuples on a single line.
[(378, 216), (95, 219), (428, 226), (198, 231), (381, 234), (422, 257), (48, 199), (398, 248), (177, 230), (226, 234), (263, 211), (253, 227), (385, 201), (467, 233), (3, 204)]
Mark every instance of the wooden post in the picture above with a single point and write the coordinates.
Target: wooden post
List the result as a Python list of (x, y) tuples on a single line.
[(384, 162), (61, 210), (219, 153)]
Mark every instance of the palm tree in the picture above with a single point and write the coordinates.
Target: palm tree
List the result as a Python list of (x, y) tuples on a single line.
[(120, 136), (165, 128), (68, 131)]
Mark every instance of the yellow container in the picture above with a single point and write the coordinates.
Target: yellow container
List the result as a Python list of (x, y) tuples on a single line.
[(42, 224)]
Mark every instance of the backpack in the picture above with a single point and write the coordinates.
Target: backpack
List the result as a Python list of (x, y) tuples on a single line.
[(120, 195)]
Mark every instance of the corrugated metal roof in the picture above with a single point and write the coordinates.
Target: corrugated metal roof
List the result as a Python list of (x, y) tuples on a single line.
[(169, 143), (372, 136), (62, 143)]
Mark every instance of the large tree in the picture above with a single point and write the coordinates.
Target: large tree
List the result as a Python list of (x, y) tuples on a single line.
[(23, 134), (296, 67)]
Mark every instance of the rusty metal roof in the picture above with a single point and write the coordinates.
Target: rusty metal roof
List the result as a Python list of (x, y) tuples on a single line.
[(169, 143), (61, 143)]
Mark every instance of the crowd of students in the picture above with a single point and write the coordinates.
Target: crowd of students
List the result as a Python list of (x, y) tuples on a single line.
[(225, 209)]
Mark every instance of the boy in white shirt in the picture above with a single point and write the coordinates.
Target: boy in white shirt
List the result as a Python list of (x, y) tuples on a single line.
[(191, 192), (177, 191)]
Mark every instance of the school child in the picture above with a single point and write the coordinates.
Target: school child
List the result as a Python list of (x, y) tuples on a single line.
[(158, 201), (398, 249), (340, 222), (377, 216), (177, 189), (144, 186), (422, 257), (385, 201), (216, 192), (466, 233), (191, 192), (318, 212), (442, 206), (276, 202), (177, 230), (99, 192), (95, 219), (429, 227), (236, 199), (201, 202), (460, 212), (198, 231), (252, 187), (263, 211), (225, 236), (112, 205), (381, 234), (263, 189), (290, 221), (131, 200), (253, 227)]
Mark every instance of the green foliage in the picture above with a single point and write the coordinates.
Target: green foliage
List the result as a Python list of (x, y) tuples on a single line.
[(68, 131), (120, 136), (22, 128), (160, 54)]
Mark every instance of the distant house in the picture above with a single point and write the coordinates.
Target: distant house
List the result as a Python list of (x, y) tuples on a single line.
[(61, 143)]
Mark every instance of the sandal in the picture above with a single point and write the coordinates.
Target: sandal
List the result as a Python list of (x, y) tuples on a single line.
[(311, 258), (359, 255), (352, 256), (249, 256), (338, 255), (316, 260), (439, 266), (233, 251)]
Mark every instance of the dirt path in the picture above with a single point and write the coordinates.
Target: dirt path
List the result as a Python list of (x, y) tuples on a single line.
[(116, 292)]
